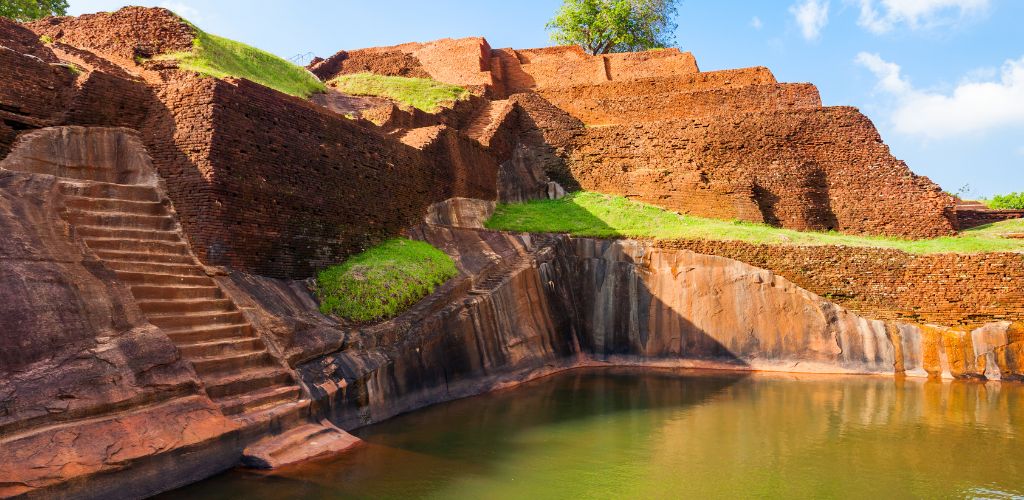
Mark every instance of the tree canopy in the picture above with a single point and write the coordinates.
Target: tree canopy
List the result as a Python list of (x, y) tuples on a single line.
[(29, 10), (604, 26)]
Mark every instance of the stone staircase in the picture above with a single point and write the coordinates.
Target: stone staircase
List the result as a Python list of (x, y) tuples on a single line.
[(115, 207), (493, 277), (132, 229), (484, 123)]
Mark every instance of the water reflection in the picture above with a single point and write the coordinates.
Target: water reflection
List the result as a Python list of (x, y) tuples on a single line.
[(616, 433)]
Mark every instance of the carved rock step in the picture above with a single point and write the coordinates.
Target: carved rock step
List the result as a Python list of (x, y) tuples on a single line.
[(141, 246), (226, 385), (120, 220), (196, 319), (186, 306), (220, 346), (233, 362), (129, 234), (256, 401), (115, 205), (147, 292), (120, 255), (161, 279), (106, 190), (208, 333), (156, 267), (301, 443)]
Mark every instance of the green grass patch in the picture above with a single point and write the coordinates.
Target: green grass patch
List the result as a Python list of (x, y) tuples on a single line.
[(383, 281), (220, 57), (604, 216), (421, 93), (1012, 201)]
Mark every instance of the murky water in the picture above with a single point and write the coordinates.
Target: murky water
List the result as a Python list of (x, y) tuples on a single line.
[(630, 434)]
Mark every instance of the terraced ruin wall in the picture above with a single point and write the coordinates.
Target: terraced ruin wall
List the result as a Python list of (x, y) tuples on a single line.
[(31, 89), (641, 101), (807, 169), (272, 184), (553, 67), (944, 289)]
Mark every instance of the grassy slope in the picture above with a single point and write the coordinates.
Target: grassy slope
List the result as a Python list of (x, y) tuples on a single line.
[(383, 281), (421, 93), (220, 57), (594, 214)]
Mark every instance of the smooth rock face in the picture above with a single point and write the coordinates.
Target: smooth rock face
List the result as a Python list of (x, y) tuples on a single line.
[(579, 302)]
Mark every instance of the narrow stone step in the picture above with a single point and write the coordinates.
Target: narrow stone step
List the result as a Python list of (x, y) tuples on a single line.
[(220, 346), (148, 292), (159, 279), (186, 306), (117, 206), (232, 363), (196, 320), (208, 333), (85, 231), (107, 190), (122, 221), (298, 444), (141, 246), (225, 385), (259, 400), (119, 255), (130, 266)]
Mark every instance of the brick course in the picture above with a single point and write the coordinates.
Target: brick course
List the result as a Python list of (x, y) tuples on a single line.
[(945, 289)]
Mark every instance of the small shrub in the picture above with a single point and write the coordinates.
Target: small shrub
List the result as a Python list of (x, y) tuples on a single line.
[(46, 39), (1012, 201), (383, 281), (421, 93)]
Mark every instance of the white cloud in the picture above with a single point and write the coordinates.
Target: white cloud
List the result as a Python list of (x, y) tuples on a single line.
[(756, 23), (881, 16), (183, 10), (972, 107), (812, 16)]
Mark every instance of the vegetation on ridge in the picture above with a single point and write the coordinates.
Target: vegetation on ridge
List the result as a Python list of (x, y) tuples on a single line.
[(30, 10), (421, 93), (383, 281), (599, 215), (603, 26), (220, 57), (1012, 201)]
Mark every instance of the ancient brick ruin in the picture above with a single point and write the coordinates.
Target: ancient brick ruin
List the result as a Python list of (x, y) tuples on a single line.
[(161, 227)]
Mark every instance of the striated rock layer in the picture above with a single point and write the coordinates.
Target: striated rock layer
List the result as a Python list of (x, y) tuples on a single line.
[(542, 304)]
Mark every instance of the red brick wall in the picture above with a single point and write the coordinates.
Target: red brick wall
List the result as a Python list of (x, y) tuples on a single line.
[(121, 36), (33, 88), (967, 219), (648, 100), (946, 289), (22, 40), (105, 100), (275, 185), (810, 169)]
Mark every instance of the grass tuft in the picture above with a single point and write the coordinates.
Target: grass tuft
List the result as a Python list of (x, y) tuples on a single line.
[(383, 281), (421, 93), (220, 57), (605, 216)]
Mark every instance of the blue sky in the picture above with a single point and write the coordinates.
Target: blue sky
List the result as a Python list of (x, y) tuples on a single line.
[(942, 79)]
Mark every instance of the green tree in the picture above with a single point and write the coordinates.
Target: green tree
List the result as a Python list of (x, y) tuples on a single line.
[(603, 26), (29, 10)]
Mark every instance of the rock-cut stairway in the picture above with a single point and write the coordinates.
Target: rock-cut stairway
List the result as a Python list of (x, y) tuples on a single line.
[(132, 229), (116, 208)]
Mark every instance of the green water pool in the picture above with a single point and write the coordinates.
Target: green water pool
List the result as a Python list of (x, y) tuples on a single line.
[(640, 434)]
